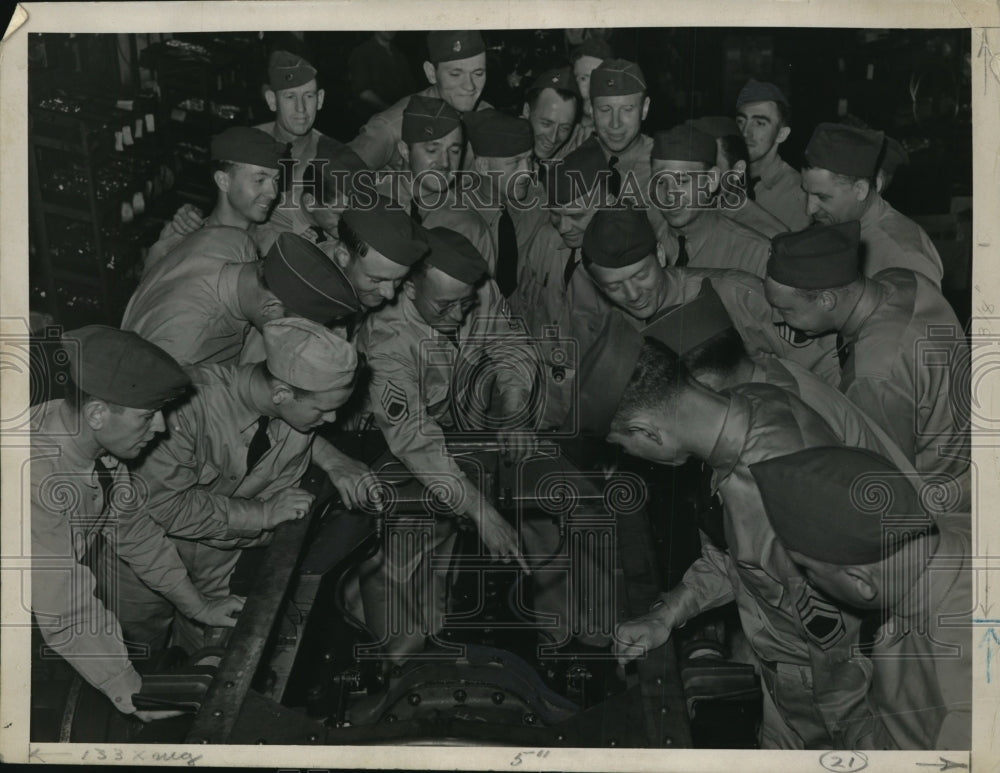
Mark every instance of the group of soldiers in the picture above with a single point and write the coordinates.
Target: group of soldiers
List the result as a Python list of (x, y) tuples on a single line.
[(785, 328)]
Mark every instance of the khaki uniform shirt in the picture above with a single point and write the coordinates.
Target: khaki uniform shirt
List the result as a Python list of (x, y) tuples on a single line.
[(716, 241), (779, 191), (891, 240), (188, 304), (68, 512), (756, 218)]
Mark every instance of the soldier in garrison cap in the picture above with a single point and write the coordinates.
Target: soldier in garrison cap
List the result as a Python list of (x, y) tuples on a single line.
[(763, 114), (694, 231), (553, 292), (584, 59), (552, 105), (918, 587), (621, 254), (506, 193), (733, 160), (81, 490), (456, 70), (839, 178), (884, 324), (228, 473), (245, 171), (431, 146), (639, 394), (448, 304)]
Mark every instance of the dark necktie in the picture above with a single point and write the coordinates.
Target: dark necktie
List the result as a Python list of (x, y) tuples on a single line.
[(843, 351), (319, 233), (570, 268), (259, 443), (415, 213), (751, 188), (106, 478), (507, 254), (451, 333), (682, 253), (616, 177)]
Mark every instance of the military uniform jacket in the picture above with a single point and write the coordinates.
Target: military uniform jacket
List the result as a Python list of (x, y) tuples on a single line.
[(68, 511), (921, 694), (891, 240), (200, 491), (779, 191), (760, 328), (716, 241), (421, 381), (905, 348), (376, 142), (188, 303), (566, 318), (756, 218)]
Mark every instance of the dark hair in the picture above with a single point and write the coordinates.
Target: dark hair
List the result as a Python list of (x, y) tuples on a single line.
[(721, 354), (351, 239), (734, 148), (566, 95), (222, 165), (658, 378), (784, 113)]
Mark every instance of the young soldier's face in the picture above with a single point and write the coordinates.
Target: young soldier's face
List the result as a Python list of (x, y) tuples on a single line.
[(830, 199), (442, 300), (683, 190), (461, 82), (511, 175), (251, 191), (124, 432), (375, 277), (762, 128), (551, 120), (639, 289), (797, 310), (582, 68), (571, 221), (617, 120), (313, 409), (441, 155), (295, 108)]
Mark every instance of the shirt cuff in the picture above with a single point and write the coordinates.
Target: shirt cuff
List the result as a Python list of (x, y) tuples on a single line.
[(121, 688)]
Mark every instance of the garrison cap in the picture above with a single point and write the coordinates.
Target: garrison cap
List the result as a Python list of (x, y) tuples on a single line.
[(307, 355), (428, 118), (616, 238), (818, 258), (560, 79), (616, 78), (286, 70), (307, 282), (605, 370), (895, 156), (388, 229), (451, 45), (689, 325), (455, 255), (494, 134), (717, 126), (841, 521), (122, 367), (760, 91), (844, 149), (244, 145), (587, 167), (594, 47), (684, 143)]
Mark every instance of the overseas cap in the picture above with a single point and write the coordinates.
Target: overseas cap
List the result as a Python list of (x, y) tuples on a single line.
[(560, 79), (605, 371), (895, 156), (689, 325), (594, 47), (587, 167), (452, 45), (716, 126), (123, 368), (841, 520), (455, 255), (244, 145), (684, 143), (760, 91), (616, 238), (616, 78), (286, 70), (845, 149), (428, 118), (307, 355), (307, 282), (817, 258), (390, 230), (497, 135)]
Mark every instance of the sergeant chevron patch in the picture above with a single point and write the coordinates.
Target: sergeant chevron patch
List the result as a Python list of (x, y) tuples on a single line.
[(394, 403)]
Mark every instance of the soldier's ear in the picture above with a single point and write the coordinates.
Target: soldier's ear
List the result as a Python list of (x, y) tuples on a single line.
[(661, 255), (221, 180), (431, 73), (525, 111), (319, 99), (404, 151), (645, 108), (410, 289), (341, 256), (783, 133), (861, 189), (864, 584), (645, 429), (272, 100), (828, 300), (95, 413)]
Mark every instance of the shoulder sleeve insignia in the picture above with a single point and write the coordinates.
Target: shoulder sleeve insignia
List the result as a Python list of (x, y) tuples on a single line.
[(394, 403)]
